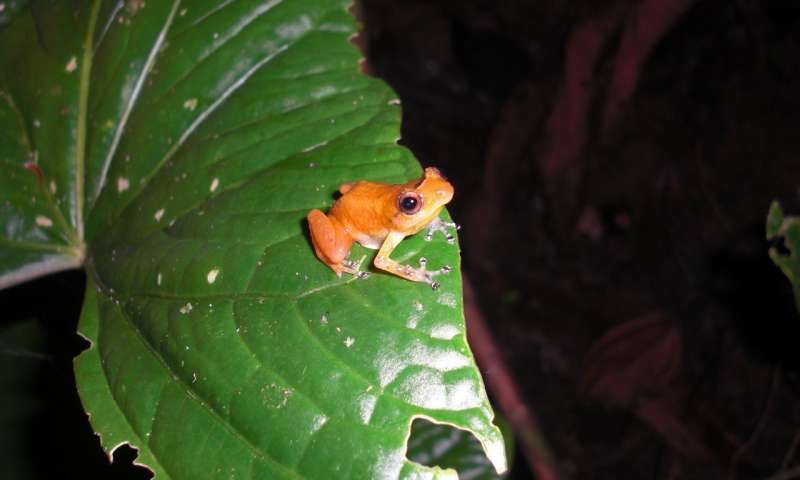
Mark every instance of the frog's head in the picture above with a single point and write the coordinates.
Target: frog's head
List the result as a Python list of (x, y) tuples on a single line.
[(419, 202)]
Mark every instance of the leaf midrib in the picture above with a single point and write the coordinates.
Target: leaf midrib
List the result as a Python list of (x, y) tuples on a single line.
[(83, 107)]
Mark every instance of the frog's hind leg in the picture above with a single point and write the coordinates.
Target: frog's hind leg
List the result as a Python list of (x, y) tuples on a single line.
[(331, 243)]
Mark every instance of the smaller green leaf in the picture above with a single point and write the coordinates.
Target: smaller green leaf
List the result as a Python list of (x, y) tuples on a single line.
[(785, 231)]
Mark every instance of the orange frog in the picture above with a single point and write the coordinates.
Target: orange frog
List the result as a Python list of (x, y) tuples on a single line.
[(380, 216)]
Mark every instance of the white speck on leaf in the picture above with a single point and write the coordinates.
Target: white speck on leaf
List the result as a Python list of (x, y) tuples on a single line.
[(36, 123), (122, 184), (190, 104), (72, 64), (323, 319), (318, 422), (212, 275), (183, 12), (214, 185), (186, 309), (349, 341), (158, 279), (43, 221), (53, 186), (158, 214)]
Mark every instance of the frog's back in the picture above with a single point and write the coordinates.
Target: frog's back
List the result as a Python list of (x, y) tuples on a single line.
[(365, 211)]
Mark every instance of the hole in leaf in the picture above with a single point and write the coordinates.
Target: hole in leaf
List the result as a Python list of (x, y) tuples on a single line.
[(434, 444)]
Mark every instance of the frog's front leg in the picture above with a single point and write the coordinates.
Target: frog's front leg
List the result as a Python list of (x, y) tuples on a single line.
[(408, 272), (439, 225)]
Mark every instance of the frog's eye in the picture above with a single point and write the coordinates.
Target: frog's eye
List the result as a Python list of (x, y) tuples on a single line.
[(409, 203)]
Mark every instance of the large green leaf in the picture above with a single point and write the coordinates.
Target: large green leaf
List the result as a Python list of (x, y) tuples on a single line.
[(184, 143), (785, 230)]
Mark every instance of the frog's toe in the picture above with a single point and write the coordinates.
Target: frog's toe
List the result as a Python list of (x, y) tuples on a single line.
[(439, 225), (354, 267), (426, 275)]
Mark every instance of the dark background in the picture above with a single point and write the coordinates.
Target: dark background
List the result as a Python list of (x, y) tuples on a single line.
[(629, 289)]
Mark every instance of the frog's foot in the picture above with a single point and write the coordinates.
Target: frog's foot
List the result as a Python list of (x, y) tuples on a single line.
[(422, 274), (439, 225), (354, 267)]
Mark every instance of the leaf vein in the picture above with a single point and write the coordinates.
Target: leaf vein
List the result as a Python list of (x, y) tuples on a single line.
[(258, 12), (137, 89), (277, 114)]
